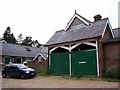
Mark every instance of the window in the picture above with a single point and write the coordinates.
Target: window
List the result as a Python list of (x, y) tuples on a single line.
[(27, 48), (13, 68)]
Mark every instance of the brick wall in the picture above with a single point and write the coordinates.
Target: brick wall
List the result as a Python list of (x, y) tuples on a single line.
[(111, 54), (100, 58), (107, 35), (37, 65)]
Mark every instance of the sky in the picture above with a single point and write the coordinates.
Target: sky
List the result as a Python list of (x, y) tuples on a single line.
[(41, 18)]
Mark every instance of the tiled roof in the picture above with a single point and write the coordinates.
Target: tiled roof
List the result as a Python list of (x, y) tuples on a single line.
[(20, 50), (44, 51), (116, 32), (78, 32), (117, 39)]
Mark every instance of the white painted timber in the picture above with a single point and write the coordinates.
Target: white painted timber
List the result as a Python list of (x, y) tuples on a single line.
[(108, 23), (53, 49), (64, 47), (49, 61), (89, 43), (70, 64), (97, 59), (74, 46)]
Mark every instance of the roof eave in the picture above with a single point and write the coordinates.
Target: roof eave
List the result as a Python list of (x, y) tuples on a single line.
[(96, 37)]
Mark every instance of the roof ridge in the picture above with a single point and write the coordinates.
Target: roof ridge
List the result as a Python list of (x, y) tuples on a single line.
[(83, 18), (101, 20), (91, 31), (116, 28), (60, 30), (86, 21), (79, 16), (18, 45)]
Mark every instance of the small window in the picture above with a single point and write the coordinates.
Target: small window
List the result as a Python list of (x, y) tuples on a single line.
[(28, 49), (13, 68)]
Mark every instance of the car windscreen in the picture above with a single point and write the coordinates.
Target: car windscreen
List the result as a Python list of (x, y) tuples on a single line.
[(22, 66)]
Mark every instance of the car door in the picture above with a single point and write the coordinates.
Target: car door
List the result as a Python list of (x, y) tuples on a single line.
[(14, 71), (7, 70)]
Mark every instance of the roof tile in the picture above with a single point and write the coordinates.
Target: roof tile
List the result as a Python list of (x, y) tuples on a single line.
[(78, 32), (20, 50)]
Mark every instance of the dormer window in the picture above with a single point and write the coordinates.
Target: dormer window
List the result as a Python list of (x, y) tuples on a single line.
[(27, 48)]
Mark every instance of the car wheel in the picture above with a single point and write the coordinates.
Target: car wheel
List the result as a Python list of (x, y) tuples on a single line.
[(22, 76), (4, 75)]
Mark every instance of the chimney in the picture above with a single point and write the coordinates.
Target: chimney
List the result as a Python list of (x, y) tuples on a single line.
[(97, 17)]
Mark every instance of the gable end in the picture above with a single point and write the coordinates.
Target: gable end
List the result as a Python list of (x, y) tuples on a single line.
[(108, 25), (77, 19)]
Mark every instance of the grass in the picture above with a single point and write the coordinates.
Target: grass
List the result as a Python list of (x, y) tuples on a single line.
[(43, 71), (111, 80), (93, 78), (80, 77), (68, 77)]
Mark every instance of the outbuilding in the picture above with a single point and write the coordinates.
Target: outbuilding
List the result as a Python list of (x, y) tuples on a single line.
[(77, 49), (21, 53)]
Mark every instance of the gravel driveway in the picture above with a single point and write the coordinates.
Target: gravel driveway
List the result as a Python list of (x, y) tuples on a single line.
[(55, 82)]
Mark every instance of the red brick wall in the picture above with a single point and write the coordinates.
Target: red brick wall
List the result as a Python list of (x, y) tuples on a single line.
[(3, 59), (37, 65), (111, 54), (100, 58), (107, 35)]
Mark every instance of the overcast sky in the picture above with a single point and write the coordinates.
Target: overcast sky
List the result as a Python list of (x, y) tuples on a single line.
[(41, 18)]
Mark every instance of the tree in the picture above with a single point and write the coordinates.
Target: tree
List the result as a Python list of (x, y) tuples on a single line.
[(20, 39), (8, 36), (27, 41), (0, 39), (36, 44)]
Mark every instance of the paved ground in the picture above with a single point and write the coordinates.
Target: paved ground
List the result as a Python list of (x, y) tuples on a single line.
[(55, 82)]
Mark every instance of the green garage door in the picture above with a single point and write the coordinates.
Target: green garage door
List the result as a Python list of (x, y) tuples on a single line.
[(84, 63), (59, 63)]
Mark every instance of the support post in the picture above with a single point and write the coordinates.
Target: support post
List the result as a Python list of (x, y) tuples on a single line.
[(70, 65), (97, 58)]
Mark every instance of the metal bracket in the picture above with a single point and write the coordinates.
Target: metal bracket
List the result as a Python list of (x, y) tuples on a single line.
[(82, 62)]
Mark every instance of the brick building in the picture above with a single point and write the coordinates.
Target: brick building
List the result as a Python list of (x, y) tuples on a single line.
[(82, 47), (21, 53)]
